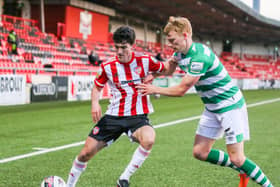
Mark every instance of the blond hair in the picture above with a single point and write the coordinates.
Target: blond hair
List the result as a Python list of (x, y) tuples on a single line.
[(178, 24)]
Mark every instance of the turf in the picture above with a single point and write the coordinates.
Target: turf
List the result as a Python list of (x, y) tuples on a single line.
[(170, 164)]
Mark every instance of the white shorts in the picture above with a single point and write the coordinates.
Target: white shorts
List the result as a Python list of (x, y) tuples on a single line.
[(232, 124)]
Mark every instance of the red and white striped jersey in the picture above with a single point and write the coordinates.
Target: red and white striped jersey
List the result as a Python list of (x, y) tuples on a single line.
[(122, 79)]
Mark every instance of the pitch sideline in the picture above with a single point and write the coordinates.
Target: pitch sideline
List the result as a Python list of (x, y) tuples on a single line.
[(5, 160)]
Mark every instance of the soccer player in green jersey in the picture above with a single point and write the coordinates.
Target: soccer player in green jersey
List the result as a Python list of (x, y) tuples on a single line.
[(225, 108)]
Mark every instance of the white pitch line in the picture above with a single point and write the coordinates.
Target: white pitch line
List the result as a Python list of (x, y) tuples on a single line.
[(82, 142), (41, 152), (263, 102), (39, 148), (176, 122)]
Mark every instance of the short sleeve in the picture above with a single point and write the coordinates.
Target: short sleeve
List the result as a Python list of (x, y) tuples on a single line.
[(101, 77), (155, 65)]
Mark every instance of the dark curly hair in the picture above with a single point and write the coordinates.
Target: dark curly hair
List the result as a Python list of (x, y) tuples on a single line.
[(124, 34)]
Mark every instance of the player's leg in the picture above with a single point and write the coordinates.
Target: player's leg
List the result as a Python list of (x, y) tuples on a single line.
[(202, 147), (91, 147), (237, 157), (208, 131), (145, 135), (235, 146), (103, 134)]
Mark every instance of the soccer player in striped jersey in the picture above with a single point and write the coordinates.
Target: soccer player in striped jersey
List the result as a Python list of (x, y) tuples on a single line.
[(225, 108), (128, 110)]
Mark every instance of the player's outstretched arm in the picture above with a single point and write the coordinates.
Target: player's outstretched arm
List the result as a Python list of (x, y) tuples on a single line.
[(178, 90), (169, 68), (96, 112)]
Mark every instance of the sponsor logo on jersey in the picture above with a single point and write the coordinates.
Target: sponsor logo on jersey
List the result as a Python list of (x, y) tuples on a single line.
[(131, 82), (138, 70), (196, 67), (95, 130)]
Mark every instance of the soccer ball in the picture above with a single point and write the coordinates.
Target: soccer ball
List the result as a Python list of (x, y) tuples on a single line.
[(53, 181), (156, 96)]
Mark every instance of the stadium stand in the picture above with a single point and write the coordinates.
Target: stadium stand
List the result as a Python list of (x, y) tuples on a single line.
[(40, 53), (251, 66), (44, 53)]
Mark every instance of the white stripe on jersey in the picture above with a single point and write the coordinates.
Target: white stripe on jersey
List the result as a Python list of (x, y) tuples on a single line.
[(206, 50), (113, 108), (128, 75), (224, 103), (135, 76), (146, 65), (128, 89), (108, 71), (216, 91), (150, 106), (215, 64), (213, 79)]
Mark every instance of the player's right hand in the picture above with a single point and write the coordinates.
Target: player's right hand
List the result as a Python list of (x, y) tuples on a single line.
[(96, 112)]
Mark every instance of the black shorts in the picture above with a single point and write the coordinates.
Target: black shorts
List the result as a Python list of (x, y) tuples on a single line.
[(109, 128)]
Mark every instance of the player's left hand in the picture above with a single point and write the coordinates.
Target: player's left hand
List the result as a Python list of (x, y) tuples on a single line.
[(173, 60), (96, 112), (146, 89), (149, 79)]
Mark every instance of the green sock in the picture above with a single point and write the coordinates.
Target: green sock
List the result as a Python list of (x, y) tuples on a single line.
[(255, 173), (221, 158)]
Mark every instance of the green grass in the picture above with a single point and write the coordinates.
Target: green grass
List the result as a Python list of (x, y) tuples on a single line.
[(170, 164)]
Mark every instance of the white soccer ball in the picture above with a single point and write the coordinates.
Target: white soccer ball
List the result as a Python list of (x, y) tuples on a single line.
[(156, 96), (53, 181)]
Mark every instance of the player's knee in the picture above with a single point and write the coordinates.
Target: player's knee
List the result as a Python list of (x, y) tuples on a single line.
[(147, 143), (85, 156), (238, 161), (147, 138), (199, 153)]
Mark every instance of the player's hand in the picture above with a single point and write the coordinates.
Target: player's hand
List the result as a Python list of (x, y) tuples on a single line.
[(96, 112), (173, 60), (146, 89), (149, 79), (176, 59)]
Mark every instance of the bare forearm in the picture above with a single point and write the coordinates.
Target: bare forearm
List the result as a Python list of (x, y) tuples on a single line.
[(171, 68), (95, 95), (95, 107), (175, 91)]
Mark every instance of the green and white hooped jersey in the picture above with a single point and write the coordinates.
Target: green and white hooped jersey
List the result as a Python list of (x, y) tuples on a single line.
[(215, 86)]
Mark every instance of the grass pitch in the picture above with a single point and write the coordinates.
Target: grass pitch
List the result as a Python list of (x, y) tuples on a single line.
[(52, 124)]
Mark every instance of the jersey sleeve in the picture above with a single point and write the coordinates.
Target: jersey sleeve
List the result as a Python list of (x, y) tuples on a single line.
[(101, 77), (155, 65)]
